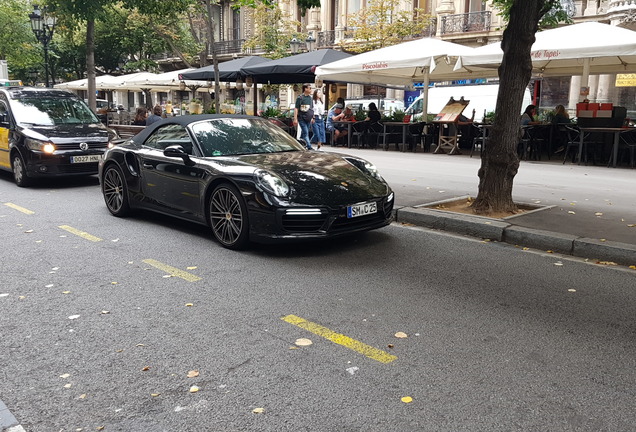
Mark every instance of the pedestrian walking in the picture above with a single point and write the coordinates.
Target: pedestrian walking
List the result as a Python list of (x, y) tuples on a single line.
[(304, 114), (319, 120)]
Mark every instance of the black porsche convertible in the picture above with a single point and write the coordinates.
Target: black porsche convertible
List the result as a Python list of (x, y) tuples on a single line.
[(244, 177)]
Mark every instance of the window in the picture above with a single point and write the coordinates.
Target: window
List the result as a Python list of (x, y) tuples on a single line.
[(170, 135)]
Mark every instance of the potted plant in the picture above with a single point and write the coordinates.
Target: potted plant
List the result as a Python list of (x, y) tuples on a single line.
[(196, 107), (360, 115)]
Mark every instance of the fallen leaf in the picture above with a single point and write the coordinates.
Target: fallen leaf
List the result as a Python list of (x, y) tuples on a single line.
[(303, 342), (526, 248), (66, 292), (407, 399), (145, 368), (352, 370), (28, 231), (100, 427), (65, 375), (194, 389), (191, 268), (571, 290), (193, 373), (115, 240), (631, 225), (155, 394), (114, 283), (140, 345), (558, 263), (401, 335), (104, 312), (633, 267), (571, 212), (258, 410), (293, 347), (4, 295), (72, 317), (82, 396), (390, 345), (598, 214), (610, 263), (549, 251), (189, 304), (119, 351), (48, 286), (67, 385)]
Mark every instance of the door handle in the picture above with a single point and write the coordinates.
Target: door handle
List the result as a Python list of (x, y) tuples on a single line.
[(149, 166)]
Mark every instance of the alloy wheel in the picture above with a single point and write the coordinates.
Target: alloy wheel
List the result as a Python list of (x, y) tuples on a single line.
[(228, 217)]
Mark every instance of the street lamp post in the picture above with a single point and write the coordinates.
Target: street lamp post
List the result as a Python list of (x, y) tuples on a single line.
[(43, 26)]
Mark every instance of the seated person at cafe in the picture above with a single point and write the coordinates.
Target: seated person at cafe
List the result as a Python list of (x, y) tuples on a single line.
[(348, 114), (140, 117), (372, 125), (335, 114), (527, 118), (561, 117)]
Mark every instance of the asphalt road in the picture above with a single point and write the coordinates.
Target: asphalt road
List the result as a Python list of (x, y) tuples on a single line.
[(102, 319)]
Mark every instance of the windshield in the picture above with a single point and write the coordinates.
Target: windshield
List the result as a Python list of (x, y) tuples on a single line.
[(51, 111), (237, 136)]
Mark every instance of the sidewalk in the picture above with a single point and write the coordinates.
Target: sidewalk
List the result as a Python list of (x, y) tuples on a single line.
[(588, 211)]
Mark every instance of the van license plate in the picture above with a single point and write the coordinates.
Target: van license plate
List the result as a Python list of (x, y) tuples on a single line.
[(84, 159), (362, 209)]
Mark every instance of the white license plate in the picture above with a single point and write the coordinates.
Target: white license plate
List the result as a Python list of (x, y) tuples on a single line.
[(84, 159), (362, 209)]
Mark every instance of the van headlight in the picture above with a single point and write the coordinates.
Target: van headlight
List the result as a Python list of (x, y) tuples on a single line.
[(43, 146), (271, 183)]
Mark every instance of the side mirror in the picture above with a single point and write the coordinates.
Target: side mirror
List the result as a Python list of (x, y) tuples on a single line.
[(178, 151), (4, 119)]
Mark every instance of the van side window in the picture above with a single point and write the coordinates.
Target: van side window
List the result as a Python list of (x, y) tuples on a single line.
[(4, 113)]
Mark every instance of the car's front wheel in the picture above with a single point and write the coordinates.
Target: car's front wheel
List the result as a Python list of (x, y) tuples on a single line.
[(115, 191), (19, 171), (228, 217)]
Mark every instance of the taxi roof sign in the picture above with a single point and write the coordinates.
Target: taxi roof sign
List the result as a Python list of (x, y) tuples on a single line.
[(10, 83)]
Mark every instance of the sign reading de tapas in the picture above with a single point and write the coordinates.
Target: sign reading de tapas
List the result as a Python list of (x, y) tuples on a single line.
[(375, 65), (545, 54), (625, 80)]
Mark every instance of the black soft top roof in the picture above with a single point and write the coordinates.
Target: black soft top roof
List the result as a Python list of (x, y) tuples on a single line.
[(183, 120)]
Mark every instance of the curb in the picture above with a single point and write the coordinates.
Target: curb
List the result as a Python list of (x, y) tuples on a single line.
[(8, 421), (502, 231)]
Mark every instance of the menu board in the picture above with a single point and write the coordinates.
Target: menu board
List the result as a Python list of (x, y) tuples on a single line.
[(451, 112)]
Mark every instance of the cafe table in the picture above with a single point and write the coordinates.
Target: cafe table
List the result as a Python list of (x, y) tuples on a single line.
[(386, 125), (605, 130)]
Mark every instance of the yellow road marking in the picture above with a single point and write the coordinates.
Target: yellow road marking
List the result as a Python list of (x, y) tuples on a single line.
[(18, 208), (79, 233), (172, 270), (340, 339)]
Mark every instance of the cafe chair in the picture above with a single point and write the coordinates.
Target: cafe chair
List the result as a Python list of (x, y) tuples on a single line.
[(628, 143), (572, 143), (531, 143), (414, 134), (358, 133), (479, 140)]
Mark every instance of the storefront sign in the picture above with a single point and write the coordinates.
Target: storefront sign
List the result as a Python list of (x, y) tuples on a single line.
[(626, 80)]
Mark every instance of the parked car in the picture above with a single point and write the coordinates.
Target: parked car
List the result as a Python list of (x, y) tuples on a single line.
[(47, 133), (245, 178)]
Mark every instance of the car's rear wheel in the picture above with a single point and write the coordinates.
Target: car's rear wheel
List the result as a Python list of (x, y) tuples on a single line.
[(228, 217), (115, 191), (19, 171)]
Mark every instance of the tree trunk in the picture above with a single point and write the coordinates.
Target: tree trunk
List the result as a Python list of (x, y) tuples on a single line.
[(499, 161), (90, 64), (215, 62)]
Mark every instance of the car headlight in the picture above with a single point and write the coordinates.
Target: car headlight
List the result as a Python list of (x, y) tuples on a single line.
[(43, 146), (271, 183)]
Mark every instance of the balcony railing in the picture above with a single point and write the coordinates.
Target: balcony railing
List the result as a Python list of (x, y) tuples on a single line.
[(467, 22), (229, 46), (326, 39)]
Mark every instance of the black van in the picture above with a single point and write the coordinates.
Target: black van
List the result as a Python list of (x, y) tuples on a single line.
[(46, 133)]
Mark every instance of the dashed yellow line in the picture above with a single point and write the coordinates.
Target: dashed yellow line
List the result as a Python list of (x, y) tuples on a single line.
[(340, 339), (79, 233), (172, 270), (20, 209)]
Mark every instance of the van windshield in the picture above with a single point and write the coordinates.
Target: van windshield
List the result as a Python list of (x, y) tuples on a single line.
[(50, 111)]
